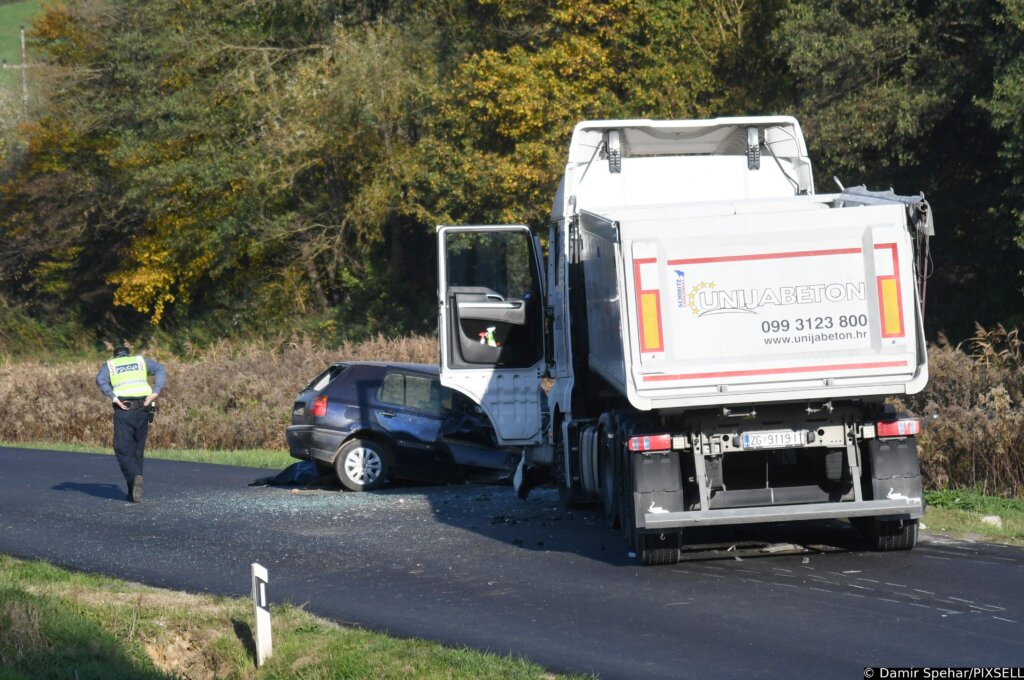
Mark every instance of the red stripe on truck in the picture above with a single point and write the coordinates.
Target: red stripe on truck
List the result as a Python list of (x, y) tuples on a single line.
[(774, 371)]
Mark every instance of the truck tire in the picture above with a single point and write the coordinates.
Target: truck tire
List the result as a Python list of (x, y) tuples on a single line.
[(658, 549), (569, 498), (609, 478), (889, 535)]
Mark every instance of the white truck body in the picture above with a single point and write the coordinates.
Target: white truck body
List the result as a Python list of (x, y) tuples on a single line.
[(791, 301), (693, 275)]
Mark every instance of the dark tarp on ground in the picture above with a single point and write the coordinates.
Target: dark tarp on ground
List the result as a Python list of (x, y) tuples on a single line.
[(302, 473)]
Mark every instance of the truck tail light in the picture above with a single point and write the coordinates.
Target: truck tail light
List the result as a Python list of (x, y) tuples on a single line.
[(648, 305), (649, 443), (898, 428), (319, 406)]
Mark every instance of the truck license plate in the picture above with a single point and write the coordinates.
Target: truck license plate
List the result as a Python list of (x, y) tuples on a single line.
[(774, 439)]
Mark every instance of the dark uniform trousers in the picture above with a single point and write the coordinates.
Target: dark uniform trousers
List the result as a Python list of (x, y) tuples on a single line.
[(130, 430)]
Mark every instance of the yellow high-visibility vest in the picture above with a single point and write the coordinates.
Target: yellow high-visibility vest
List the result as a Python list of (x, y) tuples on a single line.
[(128, 377)]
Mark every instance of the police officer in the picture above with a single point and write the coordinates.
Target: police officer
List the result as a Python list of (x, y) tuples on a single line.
[(125, 381)]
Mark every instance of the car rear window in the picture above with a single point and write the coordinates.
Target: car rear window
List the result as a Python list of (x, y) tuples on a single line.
[(325, 378)]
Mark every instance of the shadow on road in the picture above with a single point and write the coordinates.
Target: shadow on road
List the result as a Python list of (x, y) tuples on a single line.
[(112, 491), (540, 524)]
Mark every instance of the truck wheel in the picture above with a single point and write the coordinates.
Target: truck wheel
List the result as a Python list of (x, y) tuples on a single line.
[(889, 535), (569, 498), (658, 549), (360, 465), (609, 479)]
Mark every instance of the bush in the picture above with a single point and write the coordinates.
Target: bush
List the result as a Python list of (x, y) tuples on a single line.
[(229, 396), (976, 438), (238, 396)]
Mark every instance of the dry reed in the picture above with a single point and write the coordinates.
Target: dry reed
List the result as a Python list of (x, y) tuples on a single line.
[(233, 396), (225, 397)]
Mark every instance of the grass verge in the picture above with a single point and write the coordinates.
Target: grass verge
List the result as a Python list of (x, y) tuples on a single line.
[(260, 458), (60, 624), (958, 514)]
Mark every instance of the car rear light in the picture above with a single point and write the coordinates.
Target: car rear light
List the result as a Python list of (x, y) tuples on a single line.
[(319, 406), (648, 443), (907, 427)]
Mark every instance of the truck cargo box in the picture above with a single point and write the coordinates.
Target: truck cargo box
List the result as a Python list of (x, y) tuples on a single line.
[(752, 301)]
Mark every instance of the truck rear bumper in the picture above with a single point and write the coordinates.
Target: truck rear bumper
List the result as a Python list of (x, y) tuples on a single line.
[(890, 509)]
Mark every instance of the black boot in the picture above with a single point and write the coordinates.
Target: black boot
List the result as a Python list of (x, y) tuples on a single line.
[(135, 492)]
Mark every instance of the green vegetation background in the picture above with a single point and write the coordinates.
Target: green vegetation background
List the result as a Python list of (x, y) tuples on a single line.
[(195, 170)]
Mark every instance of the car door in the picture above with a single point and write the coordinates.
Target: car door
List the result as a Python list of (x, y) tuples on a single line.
[(408, 413), (491, 324)]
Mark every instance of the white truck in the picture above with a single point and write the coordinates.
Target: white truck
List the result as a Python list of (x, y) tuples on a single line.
[(717, 340)]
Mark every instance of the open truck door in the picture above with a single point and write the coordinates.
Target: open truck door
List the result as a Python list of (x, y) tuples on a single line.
[(491, 325)]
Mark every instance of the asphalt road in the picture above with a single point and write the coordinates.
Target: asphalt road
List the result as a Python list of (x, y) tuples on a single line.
[(471, 565)]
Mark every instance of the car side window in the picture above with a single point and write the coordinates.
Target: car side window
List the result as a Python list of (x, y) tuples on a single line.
[(412, 391), (417, 393), (392, 390)]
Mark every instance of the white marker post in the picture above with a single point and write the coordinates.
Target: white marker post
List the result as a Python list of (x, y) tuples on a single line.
[(264, 646)]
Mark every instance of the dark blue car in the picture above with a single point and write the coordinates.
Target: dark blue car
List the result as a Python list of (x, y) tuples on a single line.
[(373, 421)]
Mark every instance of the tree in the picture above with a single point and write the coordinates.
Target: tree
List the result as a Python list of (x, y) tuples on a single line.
[(495, 149), (889, 94)]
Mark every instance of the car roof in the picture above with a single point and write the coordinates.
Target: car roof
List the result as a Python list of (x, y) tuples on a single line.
[(431, 369)]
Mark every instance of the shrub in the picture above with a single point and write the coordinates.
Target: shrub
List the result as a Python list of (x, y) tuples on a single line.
[(229, 396), (974, 428), (237, 396)]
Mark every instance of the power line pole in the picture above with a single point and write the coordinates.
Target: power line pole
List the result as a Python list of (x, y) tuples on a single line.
[(24, 74), (23, 67)]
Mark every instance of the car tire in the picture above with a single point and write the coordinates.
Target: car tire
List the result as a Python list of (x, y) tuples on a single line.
[(361, 465)]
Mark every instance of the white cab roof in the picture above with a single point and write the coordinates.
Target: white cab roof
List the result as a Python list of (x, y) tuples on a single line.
[(717, 136)]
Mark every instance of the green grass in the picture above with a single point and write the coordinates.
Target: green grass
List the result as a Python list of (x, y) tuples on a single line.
[(958, 514), (59, 624), (261, 458), (973, 501), (12, 17)]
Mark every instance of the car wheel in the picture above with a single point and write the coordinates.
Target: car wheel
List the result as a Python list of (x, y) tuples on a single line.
[(360, 465)]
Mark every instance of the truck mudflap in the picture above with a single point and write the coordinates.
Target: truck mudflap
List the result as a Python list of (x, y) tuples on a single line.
[(893, 472), (660, 518)]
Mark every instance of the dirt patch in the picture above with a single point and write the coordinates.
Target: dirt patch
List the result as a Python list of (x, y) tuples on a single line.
[(184, 654), (174, 650)]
